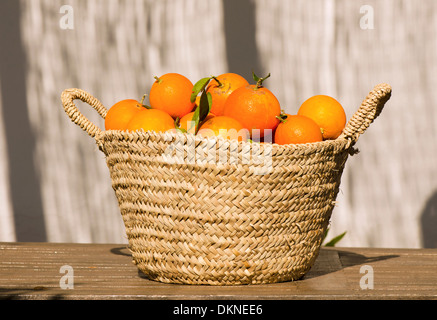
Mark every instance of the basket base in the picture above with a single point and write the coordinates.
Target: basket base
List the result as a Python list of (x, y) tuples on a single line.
[(225, 281), (231, 277)]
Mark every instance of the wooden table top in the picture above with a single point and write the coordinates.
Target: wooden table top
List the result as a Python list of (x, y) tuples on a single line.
[(105, 271)]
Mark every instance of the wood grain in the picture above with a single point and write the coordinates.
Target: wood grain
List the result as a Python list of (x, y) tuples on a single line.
[(105, 271)]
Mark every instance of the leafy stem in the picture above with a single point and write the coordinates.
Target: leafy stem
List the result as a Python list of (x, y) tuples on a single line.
[(220, 85), (259, 81), (177, 125), (282, 117), (198, 87), (142, 102), (205, 103), (157, 79), (202, 109)]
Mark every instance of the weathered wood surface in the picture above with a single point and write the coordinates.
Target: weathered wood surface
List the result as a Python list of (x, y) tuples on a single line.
[(105, 271)]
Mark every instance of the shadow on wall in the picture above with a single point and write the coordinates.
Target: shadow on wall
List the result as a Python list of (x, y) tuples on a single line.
[(23, 179), (240, 30), (428, 222)]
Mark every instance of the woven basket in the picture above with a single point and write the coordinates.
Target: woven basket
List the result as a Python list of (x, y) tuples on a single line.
[(221, 212)]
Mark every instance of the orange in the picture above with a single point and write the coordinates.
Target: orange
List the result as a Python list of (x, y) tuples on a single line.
[(297, 129), (121, 113), (221, 87), (255, 107), (225, 127), (327, 112), (151, 120), (171, 93), (187, 124)]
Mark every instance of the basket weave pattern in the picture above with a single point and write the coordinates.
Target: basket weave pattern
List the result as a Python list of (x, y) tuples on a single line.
[(258, 216)]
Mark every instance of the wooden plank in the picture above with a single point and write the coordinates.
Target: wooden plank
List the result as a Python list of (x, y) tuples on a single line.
[(106, 271), (398, 273)]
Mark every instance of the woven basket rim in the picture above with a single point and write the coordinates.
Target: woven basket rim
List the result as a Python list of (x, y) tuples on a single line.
[(109, 135)]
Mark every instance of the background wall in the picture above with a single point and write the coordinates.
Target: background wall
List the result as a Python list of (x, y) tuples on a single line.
[(54, 183)]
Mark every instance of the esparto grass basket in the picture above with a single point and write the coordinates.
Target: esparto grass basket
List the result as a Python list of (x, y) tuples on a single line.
[(221, 212)]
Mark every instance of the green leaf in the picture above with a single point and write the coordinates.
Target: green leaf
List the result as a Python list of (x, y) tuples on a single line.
[(196, 117), (209, 96), (202, 109), (255, 77), (335, 240), (198, 87), (326, 234)]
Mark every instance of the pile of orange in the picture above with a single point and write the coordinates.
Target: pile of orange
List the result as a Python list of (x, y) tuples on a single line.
[(227, 106)]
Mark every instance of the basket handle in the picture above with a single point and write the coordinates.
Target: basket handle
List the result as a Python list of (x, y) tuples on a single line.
[(68, 96), (369, 110)]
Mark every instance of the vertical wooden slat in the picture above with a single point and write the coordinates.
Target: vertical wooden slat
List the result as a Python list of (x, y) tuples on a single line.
[(385, 188), (7, 230), (113, 52), (22, 176)]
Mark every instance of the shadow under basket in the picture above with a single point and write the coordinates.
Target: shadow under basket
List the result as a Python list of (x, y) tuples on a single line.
[(222, 212)]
